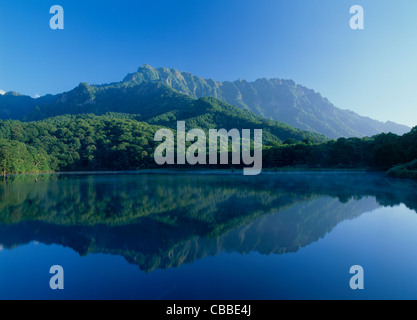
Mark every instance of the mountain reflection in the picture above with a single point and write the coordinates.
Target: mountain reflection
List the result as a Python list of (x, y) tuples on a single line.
[(163, 221)]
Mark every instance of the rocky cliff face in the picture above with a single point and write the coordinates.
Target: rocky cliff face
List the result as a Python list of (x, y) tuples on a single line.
[(281, 100)]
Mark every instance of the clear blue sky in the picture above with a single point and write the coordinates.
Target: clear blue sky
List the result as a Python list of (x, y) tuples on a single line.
[(371, 71)]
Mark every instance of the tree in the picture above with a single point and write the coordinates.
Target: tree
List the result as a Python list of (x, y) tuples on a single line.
[(5, 157)]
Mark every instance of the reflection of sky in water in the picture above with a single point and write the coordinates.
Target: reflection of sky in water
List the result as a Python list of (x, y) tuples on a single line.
[(257, 260)]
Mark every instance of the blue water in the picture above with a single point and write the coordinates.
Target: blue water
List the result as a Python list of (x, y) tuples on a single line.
[(284, 236)]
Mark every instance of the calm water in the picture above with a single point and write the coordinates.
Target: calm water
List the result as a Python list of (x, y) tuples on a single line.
[(201, 236)]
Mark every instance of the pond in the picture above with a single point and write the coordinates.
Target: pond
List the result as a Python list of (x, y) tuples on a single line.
[(215, 236)]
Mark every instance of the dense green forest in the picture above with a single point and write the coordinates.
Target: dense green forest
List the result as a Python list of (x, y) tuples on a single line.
[(109, 142), (380, 152), (67, 143), (122, 142)]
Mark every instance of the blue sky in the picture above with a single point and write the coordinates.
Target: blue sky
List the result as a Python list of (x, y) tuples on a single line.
[(372, 71)]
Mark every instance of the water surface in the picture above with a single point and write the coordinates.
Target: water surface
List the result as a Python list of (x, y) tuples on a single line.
[(208, 236)]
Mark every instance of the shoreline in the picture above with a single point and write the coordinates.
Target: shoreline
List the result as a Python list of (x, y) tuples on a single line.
[(200, 171)]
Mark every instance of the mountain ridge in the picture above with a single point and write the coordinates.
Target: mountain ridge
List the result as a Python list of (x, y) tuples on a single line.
[(277, 99)]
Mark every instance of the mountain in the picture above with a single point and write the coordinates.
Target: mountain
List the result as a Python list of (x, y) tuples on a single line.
[(152, 92), (281, 100), (159, 104), (112, 127), (14, 105)]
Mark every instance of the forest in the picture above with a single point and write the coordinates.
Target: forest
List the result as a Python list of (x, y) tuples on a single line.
[(117, 141)]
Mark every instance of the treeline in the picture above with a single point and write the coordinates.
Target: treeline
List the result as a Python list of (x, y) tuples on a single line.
[(68, 143), (380, 152), (17, 157), (122, 142)]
